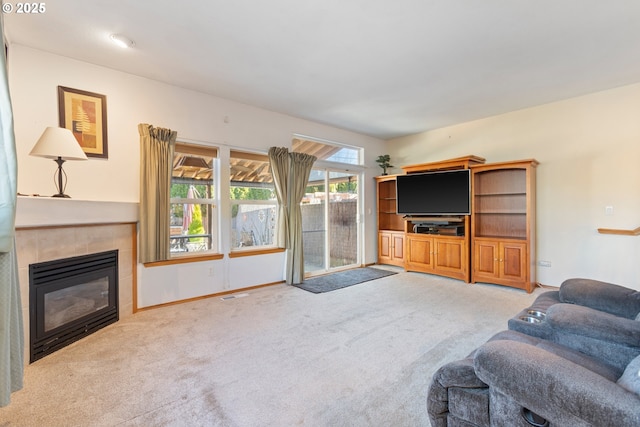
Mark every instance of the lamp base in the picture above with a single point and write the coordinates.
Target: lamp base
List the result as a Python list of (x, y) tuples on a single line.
[(61, 177)]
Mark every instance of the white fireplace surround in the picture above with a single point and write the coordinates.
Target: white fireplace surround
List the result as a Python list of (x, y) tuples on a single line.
[(54, 228)]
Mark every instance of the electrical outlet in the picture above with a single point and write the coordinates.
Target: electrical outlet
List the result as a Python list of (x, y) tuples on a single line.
[(544, 263)]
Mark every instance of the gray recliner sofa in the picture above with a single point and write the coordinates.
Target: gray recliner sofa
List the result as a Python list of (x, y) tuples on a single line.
[(578, 364)]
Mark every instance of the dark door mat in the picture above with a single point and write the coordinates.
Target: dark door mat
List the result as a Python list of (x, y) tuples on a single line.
[(342, 279)]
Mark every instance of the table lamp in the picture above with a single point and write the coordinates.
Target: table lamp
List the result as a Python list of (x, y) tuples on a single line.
[(60, 145)]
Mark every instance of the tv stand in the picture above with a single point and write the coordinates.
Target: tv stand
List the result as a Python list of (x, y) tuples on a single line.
[(438, 245)]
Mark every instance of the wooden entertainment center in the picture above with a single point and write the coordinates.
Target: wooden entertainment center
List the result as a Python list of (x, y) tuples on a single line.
[(494, 244)]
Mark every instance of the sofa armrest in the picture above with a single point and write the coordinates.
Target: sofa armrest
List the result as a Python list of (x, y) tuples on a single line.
[(602, 296), (459, 374), (554, 387), (584, 321)]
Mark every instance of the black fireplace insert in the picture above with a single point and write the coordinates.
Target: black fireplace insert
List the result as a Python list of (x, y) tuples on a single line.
[(71, 298)]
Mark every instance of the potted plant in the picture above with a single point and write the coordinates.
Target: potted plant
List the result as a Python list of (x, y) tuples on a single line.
[(385, 162)]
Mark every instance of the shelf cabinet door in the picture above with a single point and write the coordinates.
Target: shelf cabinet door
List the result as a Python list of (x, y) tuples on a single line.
[(419, 254), (501, 262), (486, 260), (513, 261), (391, 248), (397, 247), (450, 257), (384, 247), (446, 256)]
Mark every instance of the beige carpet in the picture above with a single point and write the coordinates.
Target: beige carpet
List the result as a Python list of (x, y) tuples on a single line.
[(281, 356)]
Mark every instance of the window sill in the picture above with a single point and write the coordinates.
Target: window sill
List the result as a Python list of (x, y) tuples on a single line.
[(184, 260), (211, 257), (243, 253)]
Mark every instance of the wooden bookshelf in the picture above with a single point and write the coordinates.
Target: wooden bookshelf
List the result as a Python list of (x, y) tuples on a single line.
[(390, 224), (503, 223)]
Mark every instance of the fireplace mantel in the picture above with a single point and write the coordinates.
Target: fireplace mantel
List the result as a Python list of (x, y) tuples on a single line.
[(49, 211)]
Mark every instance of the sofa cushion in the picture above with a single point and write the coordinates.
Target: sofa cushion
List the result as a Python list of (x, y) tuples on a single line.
[(630, 379), (595, 365)]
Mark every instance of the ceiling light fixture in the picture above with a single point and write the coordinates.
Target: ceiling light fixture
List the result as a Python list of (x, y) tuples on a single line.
[(122, 41)]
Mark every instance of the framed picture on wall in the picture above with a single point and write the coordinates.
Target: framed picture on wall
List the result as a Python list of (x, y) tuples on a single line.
[(85, 114)]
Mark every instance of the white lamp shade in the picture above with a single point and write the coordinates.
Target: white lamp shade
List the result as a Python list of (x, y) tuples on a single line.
[(58, 142)]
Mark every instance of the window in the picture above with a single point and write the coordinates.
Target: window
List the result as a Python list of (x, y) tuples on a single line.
[(330, 152), (194, 222), (254, 205)]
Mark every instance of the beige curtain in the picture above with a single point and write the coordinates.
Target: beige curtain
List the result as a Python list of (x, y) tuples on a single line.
[(300, 168), (156, 164), (279, 163), (11, 329)]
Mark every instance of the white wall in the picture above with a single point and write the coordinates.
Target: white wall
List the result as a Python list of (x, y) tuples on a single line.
[(33, 79), (588, 148)]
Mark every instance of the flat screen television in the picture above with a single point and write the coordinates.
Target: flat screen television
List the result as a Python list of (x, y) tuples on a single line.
[(434, 193)]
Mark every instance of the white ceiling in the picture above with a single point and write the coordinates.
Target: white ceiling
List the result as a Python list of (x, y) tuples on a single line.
[(379, 67)]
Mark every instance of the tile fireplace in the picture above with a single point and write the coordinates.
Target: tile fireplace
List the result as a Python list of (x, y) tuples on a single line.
[(50, 229)]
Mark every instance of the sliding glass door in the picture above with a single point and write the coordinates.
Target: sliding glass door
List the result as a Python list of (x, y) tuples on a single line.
[(330, 225)]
